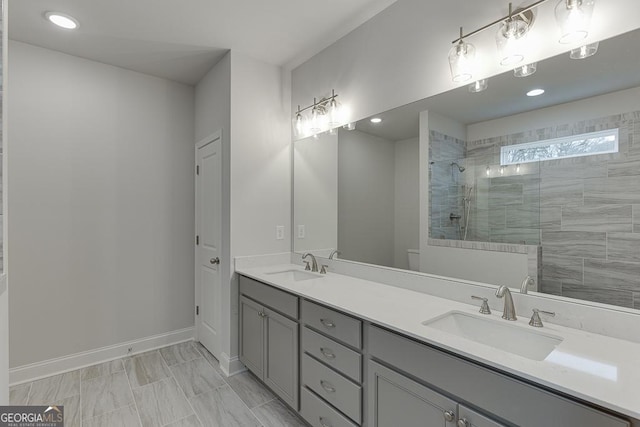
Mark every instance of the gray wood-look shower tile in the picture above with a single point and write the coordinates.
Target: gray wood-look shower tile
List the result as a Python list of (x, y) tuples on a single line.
[(550, 218), (551, 287), (223, 408), (561, 193), (601, 295), (251, 391), (528, 236), (190, 421), (627, 167), (525, 216), (612, 191), (51, 389), (276, 414), (562, 269), (597, 218), (105, 394), (196, 377), (636, 300), (146, 368), (612, 274), (161, 403), (623, 247), (19, 395), (505, 194), (636, 218), (127, 416), (574, 243), (179, 353), (106, 368)]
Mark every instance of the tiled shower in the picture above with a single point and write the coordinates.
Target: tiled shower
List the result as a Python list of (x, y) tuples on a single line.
[(583, 211)]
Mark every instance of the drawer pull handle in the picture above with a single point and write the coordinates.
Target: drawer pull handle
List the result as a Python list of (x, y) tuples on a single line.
[(327, 353), (262, 314), (328, 387), (328, 323), (323, 422)]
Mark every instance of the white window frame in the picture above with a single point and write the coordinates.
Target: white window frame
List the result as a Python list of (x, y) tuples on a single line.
[(504, 151)]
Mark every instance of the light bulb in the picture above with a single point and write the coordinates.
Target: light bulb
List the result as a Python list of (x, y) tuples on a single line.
[(525, 70), (335, 117), (584, 51), (510, 41), (479, 86), (518, 168), (462, 61), (298, 123), (574, 18), (502, 168), (488, 170)]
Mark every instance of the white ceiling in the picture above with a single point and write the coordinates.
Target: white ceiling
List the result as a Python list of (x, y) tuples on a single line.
[(181, 40), (614, 67)]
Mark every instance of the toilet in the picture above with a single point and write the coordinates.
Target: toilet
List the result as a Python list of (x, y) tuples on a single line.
[(414, 259)]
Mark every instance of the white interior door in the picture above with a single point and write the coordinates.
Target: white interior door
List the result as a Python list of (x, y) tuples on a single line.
[(208, 241)]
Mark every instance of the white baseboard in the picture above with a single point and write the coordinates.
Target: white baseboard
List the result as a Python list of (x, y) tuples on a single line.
[(231, 366), (59, 365)]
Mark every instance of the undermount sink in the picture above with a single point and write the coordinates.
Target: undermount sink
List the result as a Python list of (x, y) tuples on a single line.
[(294, 275), (500, 334)]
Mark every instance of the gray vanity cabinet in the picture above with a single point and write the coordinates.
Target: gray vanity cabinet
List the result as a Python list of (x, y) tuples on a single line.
[(269, 339), (395, 399)]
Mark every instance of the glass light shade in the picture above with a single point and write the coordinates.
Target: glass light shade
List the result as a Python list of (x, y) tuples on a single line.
[(462, 61), (574, 18), (317, 119), (479, 86), (335, 114), (525, 70), (299, 124), (584, 51), (510, 40)]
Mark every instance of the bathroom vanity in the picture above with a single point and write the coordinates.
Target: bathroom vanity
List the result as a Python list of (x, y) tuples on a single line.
[(348, 352)]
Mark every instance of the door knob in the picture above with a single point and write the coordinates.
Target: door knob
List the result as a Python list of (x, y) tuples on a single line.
[(215, 260)]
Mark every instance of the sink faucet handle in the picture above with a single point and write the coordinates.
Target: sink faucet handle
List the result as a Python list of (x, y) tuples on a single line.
[(324, 269), (535, 321), (308, 267), (484, 309)]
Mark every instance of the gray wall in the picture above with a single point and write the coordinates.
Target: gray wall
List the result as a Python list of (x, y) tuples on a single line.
[(102, 231)]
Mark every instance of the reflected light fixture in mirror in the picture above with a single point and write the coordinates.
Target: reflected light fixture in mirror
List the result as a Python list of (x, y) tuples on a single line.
[(574, 18), (462, 60), (584, 51), (62, 20), (299, 123), (510, 39), (376, 120), (479, 86), (525, 70)]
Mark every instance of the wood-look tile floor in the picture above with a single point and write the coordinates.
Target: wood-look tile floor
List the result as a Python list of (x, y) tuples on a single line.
[(176, 386)]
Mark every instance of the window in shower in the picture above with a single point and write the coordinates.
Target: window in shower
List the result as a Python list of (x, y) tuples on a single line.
[(587, 144)]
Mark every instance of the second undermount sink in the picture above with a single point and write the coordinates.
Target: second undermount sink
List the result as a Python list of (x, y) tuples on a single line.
[(496, 333), (293, 275)]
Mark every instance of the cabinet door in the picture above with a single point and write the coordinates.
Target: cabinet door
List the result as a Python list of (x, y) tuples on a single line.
[(474, 419), (252, 335), (281, 357), (395, 400)]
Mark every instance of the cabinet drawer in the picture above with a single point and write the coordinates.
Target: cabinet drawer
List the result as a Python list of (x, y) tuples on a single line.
[(319, 414), (333, 387), (333, 354), (490, 390), (281, 301), (335, 324)]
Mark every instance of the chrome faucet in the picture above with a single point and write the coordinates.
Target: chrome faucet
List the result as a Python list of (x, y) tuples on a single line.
[(314, 263), (509, 311), (333, 253), (524, 287)]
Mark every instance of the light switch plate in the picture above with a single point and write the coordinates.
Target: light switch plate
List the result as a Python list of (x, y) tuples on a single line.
[(279, 232), (301, 232)]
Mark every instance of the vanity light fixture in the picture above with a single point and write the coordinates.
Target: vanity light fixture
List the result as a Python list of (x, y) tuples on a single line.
[(323, 115), (585, 51), (488, 170), (62, 20), (479, 86), (535, 92), (462, 60), (574, 18), (511, 35), (350, 126), (376, 120), (525, 70)]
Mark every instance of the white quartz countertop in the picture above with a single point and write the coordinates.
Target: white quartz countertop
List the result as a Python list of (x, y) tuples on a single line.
[(602, 370)]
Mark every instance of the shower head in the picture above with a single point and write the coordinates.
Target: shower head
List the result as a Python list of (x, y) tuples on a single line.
[(460, 168)]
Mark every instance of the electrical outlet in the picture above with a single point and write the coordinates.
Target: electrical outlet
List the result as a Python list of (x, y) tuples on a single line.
[(279, 232), (301, 232)]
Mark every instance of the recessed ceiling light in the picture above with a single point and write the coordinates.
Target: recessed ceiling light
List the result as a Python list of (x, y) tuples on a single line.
[(535, 92), (376, 120), (61, 20)]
